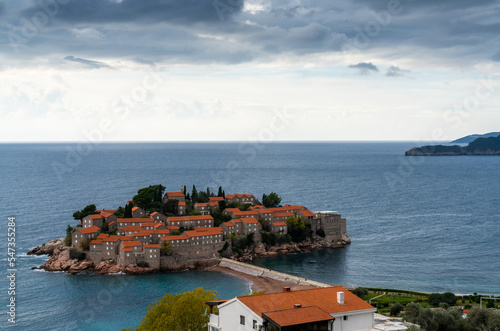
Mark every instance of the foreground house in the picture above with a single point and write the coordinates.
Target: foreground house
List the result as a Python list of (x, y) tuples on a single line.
[(322, 309)]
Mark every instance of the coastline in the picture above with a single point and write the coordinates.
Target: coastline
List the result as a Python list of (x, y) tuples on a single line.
[(264, 284)]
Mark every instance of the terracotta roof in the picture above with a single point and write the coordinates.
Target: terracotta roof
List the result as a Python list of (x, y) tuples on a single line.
[(172, 227), (236, 220), (257, 207), (153, 213), (182, 203), (102, 235), (190, 218), (142, 234), (249, 220), (216, 199), (127, 249), (148, 224), (157, 225), (228, 224), (95, 216), (126, 238), (107, 213), (96, 242), (293, 207), (285, 209), (307, 213), (174, 194), (201, 204), (131, 244), (237, 212), (213, 204), (112, 238), (264, 211), (287, 214), (324, 298), (92, 229), (296, 316), (200, 233), (170, 238), (135, 208), (152, 246), (136, 228), (160, 231), (279, 224)]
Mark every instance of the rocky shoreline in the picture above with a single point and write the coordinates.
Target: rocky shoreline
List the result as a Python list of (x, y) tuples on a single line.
[(60, 258)]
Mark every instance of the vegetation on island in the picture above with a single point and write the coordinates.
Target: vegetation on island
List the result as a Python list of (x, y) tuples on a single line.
[(480, 146), (181, 312)]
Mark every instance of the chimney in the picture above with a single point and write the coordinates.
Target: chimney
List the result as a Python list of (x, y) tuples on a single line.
[(297, 305), (286, 289), (182, 188), (340, 298)]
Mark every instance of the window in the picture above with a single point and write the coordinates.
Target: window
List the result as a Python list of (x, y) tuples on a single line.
[(242, 320), (254, 324), (345, 318)]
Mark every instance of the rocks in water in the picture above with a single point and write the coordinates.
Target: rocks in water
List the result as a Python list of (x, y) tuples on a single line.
[(47, 248)]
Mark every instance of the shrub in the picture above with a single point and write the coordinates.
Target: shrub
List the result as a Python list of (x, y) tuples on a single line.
[(320, 232), (360, 291), (396, 309), (69, 235), (85, 245), (143, 264)]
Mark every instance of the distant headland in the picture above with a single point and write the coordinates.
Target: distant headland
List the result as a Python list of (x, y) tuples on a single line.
[(489, 145), (161, 232)]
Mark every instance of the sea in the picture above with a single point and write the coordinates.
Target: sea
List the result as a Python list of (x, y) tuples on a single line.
[(427, 224)]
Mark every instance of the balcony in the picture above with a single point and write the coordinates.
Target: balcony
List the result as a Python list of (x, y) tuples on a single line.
[(214, 320)]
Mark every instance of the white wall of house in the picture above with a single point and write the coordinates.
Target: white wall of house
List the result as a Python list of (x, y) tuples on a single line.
[(352, 321), (229, 317)]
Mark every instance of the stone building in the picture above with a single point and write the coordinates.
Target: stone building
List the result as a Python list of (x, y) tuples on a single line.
[(242, 199)]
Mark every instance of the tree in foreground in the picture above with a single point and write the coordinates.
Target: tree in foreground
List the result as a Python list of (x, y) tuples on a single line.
[(182, 312), (88, 210), (271, 201)]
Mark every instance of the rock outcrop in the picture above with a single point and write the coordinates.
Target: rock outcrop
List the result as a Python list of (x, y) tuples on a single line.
[(47, 248)]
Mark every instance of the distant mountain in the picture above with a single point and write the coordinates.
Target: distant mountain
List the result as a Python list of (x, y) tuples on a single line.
[(472, 137), (480, 146)]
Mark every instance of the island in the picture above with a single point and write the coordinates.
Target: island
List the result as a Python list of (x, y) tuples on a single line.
[(480, 146), (172, 231), (472, 137)]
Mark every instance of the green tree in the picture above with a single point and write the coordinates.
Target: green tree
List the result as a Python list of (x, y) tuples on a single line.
[(182, 312), (360, 291), (396, 309), (69, 235), (185, 190), (412, 311), (166, 248), (127, 213), (270, 201), (170, 207), (219, 193), (88, 210), (298, 229), (194, 195), (149, 198)]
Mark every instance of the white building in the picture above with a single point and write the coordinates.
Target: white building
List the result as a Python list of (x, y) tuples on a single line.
[(323, 309)]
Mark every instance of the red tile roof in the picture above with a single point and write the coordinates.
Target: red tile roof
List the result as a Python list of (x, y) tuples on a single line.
[(96, 242), (190, 218), (127, 249), (228, 224), (200, 233), (182, 203), (172, 227), (160, 231), (131, 244), (216, 199), (307, 213), (135, 220), (135, 228), (135, 208), (149, 224), (278, 224), (153, 213), (324, 298), (237, 212), (249, 220), (102, 235), (152, 246), (230, 196), (142, 234), (92, 229), (112, 238), (213, 204), (296, 316), (170, 238), (95, 216), (201, 204), (174, 194), (107, 213), (126, 238)]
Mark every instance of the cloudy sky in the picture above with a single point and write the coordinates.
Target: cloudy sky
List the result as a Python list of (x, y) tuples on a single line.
[(167, 70)]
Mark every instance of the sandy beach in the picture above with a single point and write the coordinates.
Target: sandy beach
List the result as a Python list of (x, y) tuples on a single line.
[(264, 284)]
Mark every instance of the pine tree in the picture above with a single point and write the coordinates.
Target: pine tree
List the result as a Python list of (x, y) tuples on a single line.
[(194, 195), (208, 191), (219, 193), (184, 190)]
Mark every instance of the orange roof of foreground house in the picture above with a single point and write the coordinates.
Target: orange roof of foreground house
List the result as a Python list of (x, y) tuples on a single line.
[(92, 229), (107, 213), (143, 233), (157, 225), (131, 244), (201, 233), (102, 235), (95, 216), (213, 204), (135, 208), (295, 316), (127, 249), (257, 207), (324, 298), (278, 224), (236, 220), (216, 199), (307, 213), (160, 231), (201, 204), (96, 242), (152, 246), (126, 238), (287, 214), (170, 238), (190, 218), (182, 203), (237, 212), (294, 207), (132, 228), (172, 227), (174, 194), (153, 213), (249, 220), (228, 224), (112, 238), (149, 224)]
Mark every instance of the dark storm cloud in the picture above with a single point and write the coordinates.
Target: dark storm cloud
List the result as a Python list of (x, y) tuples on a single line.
[(364, 68), (197, 31), (94, 64), (107, 11)]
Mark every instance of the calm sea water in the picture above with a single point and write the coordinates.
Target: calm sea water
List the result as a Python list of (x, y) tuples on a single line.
[(427, 224)]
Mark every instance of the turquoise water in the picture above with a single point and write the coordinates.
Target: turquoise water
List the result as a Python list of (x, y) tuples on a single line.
[(426, 224)]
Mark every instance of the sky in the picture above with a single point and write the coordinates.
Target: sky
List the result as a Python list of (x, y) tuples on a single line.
[(238, 70)]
